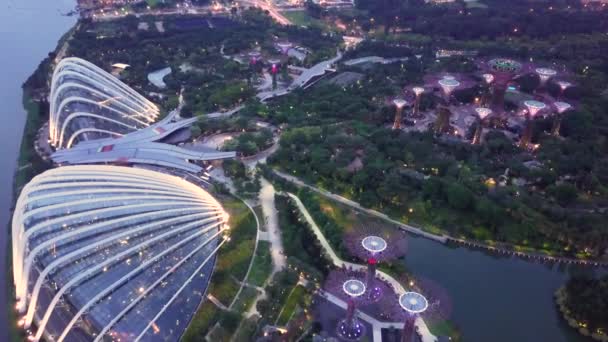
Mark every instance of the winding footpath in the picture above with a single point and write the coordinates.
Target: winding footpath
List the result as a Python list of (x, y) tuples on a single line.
[(357, 206), (441, 238), (421, 326)]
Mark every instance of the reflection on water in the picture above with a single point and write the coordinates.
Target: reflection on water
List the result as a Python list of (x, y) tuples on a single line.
[(497, 298)]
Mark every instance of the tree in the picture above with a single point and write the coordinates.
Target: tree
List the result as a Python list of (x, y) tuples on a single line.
[(458, 196), (564, 193)]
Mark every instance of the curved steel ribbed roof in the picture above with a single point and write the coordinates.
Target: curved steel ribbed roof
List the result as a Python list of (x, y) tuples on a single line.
[(87, 101), (112, 251)]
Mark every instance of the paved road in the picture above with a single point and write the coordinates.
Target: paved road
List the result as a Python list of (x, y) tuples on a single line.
[(272, 226)]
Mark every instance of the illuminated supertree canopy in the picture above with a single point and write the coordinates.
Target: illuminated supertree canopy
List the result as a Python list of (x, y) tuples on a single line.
[(390, 244), (563, 85), (418, 90), (561, 107), (545, 74), (448, 85), (483, 112), (285, 47), (348, 286), (488, 78), (534, 107), (254, 56)]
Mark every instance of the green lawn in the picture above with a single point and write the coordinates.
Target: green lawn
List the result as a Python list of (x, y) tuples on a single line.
[(301, 18), (262, 264), (232, 263), (245, 300), (292, 302), (204, 318)]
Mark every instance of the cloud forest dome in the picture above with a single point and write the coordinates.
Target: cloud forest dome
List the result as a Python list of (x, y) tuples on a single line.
[(88, 103), (112, 252)]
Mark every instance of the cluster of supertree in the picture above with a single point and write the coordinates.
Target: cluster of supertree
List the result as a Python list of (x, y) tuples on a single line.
[(361, 288), (373, 246), (418, 298), (496, 75)]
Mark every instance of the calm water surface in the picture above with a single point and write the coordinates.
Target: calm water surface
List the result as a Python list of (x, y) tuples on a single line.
[(29, 29)]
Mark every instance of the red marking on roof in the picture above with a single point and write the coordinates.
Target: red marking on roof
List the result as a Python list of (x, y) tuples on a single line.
[(107, 148), (159, 130)]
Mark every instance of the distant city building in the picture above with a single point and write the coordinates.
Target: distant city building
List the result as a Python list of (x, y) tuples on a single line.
[(110, 253)]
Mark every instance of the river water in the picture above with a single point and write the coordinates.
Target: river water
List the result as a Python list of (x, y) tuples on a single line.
[(29, 30), (494, 299)]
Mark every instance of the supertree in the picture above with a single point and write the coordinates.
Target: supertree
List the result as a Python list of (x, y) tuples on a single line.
[(503, 71), (284, 47), (486, 99), (560, 108), (423, 298), (533, 107), (448, 84), (545, 74), (563, 85), (418, 93), (399, 104), (482, 113), (254, 57), (274, 70), (348, 286), (374, 246)]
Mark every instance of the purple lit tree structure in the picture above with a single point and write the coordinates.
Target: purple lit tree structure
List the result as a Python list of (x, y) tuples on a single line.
[(545, 74), (254, 57), (417, 92), (503, 71), (448, 84), (375, 246), (487, 95), (533, 107), (560, 108), (423, 298), (399, 104), (284, 47), (563, 85), (349, 287), (274, 70), (413, 304), (482, 113)]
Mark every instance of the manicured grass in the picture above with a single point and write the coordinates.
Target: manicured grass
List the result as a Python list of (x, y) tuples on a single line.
[(245, 300), (247, 329), (202, 321), (294, 299), (445, 328), (233, 259), (231, 265), (301, 18), (262, 264), (260, 214)]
